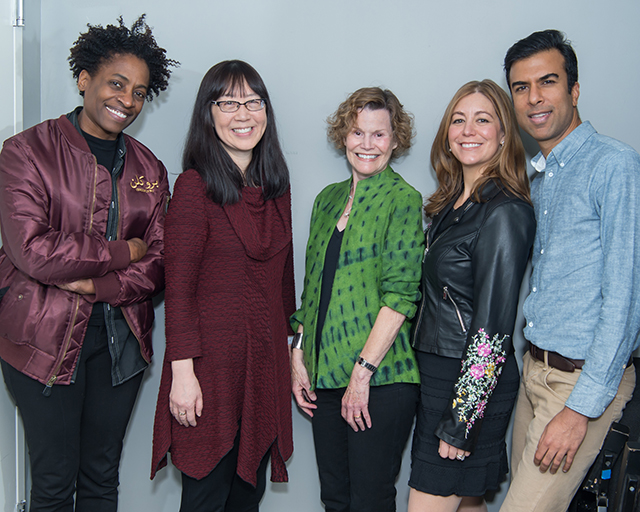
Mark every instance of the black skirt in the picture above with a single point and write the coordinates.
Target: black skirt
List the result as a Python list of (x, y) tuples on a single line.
[(487, 465)]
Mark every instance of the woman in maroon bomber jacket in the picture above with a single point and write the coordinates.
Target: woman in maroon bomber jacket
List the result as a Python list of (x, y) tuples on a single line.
[(82, 211), (224, 403)]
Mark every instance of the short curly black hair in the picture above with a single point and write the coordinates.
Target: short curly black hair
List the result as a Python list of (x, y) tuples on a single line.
[(100, 44)]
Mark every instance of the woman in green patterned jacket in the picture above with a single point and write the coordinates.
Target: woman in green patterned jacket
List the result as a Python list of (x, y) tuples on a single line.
[(353, 369)]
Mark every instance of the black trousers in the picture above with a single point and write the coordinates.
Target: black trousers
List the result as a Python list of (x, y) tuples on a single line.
[(223, 490), (75, 435), (358, 470)]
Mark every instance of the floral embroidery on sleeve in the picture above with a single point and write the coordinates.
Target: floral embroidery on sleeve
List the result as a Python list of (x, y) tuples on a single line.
[(480, 371)]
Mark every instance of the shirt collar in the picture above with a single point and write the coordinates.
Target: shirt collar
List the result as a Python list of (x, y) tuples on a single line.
[(564, 151), (539, 162)]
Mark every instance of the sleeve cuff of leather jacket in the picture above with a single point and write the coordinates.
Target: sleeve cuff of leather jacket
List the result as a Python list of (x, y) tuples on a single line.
[(459, 442), (120, 255), (107, 288)]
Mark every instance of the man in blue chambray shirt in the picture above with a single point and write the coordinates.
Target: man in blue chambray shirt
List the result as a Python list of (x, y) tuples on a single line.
[(583, 309)]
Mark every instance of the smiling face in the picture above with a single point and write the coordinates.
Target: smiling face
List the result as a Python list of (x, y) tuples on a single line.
[(370, 143), (545, 108), (475, 132), (113, 96), (239, 131)]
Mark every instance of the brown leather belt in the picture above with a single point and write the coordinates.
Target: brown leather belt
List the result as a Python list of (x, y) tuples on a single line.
[(556, 360), (560, 362)]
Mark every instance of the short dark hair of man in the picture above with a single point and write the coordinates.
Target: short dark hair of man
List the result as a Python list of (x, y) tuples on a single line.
[(99, 44), (540, 42)]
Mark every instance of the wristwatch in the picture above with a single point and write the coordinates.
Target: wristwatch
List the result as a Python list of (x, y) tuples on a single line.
[(366, 364)]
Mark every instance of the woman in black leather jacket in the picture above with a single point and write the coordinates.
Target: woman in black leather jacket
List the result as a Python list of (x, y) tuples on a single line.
[(477, 247)]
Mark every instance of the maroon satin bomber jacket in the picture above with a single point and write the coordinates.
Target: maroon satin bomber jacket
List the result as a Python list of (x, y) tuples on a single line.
[(54, 204)]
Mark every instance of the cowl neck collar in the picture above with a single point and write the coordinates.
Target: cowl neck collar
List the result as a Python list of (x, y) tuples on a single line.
[(263, 227)]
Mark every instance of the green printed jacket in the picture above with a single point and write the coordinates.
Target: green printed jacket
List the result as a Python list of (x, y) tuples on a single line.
[(379, 265)]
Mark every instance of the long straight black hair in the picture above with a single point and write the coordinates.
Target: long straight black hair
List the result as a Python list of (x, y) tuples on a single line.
[(205, 153)]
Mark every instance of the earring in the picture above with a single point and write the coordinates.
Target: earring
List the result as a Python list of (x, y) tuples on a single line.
[(501, 143)]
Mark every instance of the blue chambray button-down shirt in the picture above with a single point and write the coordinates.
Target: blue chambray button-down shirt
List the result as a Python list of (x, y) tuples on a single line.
[(584, 299)]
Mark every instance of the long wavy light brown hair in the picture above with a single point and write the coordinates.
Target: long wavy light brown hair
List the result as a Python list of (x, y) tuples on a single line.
[(508, 166), (342, 121)]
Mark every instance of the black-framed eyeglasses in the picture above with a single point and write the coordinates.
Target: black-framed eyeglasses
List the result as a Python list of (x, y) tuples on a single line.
[(228, 106)]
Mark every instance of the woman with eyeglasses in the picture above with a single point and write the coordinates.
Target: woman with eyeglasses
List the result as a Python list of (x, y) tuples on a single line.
[(224, 404), (353, 370)]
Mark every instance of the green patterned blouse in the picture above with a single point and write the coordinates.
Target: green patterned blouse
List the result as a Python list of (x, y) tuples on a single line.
[(379, 265)]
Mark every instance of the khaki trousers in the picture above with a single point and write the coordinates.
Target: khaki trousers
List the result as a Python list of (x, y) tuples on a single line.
[(542, 395)]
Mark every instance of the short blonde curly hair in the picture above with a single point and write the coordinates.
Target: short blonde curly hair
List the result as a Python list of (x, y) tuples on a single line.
[(341, 122)]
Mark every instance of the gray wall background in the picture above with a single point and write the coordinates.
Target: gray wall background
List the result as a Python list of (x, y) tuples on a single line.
[(312, 55)]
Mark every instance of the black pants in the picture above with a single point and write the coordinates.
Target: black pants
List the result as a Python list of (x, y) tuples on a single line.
[(75, 435), (358, 470), (223, 490)]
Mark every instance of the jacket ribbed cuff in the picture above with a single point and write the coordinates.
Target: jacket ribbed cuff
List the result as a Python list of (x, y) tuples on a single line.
[(120, 255)]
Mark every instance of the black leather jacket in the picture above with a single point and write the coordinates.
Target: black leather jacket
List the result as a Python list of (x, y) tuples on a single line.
[(471, 277)]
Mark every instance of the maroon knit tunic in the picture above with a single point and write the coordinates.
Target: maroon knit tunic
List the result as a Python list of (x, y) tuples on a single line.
[(229, 293)]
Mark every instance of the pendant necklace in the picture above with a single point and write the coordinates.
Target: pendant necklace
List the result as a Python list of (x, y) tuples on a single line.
[(346, 214)]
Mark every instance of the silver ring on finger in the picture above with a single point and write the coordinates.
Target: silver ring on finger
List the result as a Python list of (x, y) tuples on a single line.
[(182, 413), (460, 457)]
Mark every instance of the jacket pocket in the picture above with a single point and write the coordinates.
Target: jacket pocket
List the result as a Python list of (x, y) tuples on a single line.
[(21, 309), (447, 296)]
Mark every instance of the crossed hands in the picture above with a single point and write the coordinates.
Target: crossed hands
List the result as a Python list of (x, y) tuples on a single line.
[(137, 250)]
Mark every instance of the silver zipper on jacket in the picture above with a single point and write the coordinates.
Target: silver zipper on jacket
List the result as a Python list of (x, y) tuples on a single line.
[(447, 295), (446, 289), (427, 245)]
